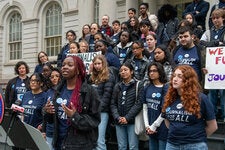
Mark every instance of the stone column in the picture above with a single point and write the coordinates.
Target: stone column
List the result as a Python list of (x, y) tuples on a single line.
[(1, 51), (152, 6), (86, 12), (107, 7), (132, 4)]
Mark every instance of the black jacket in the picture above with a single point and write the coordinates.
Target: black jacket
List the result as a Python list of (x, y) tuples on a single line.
[(83, 131), (105, 90), (132, 106)]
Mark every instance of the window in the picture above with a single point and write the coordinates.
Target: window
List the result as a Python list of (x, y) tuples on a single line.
[(96, 16), (15, 36), (53, 30)]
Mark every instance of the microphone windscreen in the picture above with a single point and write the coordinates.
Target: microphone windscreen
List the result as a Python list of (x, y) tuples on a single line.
[(17, 108)]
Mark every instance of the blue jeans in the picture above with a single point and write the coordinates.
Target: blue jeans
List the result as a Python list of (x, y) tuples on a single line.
[(213, 97), (101, 131), (155, 144), (126, 136), (195, 146), (49, 142)]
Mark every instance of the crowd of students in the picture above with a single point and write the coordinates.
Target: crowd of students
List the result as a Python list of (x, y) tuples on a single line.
[(151, 62)]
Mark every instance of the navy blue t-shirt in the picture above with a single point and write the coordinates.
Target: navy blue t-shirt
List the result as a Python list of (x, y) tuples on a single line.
[(153, 97), (137, 67), (65, 99), (188, 57), (33, 104), (122, 54), (50, 126), (20, 89), (91, 44), (186, 128)]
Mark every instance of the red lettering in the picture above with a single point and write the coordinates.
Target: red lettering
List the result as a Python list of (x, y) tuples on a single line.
[(220, 59), (212, 51), (218, 51)]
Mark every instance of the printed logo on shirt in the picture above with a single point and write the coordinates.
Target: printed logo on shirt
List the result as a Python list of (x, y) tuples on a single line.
[(20, 97), (152, 103), (136, 68), (186, 60), (179, 106), (21, 89), (178, 114), (29, 109), (122, 55), (61, 113), (158, 95), (61, 101), (168, 109), (30, 101)]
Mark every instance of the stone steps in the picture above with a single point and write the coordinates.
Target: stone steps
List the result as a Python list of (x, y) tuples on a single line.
[(216, 140)]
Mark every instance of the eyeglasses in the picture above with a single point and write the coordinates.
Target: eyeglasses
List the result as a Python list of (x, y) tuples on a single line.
[(33, 81), (154, 70)]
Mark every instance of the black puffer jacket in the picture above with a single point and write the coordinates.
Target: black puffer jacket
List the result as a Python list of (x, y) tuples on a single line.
[(132, 106), (105, 90)]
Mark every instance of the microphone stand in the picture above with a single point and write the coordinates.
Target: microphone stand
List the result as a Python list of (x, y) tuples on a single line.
[(14, 113), (12, 119)]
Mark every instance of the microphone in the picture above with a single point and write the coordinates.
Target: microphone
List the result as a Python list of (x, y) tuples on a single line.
[(17, 108)]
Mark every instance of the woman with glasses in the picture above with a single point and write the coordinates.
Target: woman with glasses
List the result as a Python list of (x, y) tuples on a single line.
[(86, 29), (95, 28), (138, 61), (34, 100), (153, 99)]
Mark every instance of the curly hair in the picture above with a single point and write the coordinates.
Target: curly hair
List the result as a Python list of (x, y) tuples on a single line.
[(103, 75), (166, 12), (190, 90), (20, 63)]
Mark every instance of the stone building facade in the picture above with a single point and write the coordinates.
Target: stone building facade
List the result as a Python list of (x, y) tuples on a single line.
[(30, 26)]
